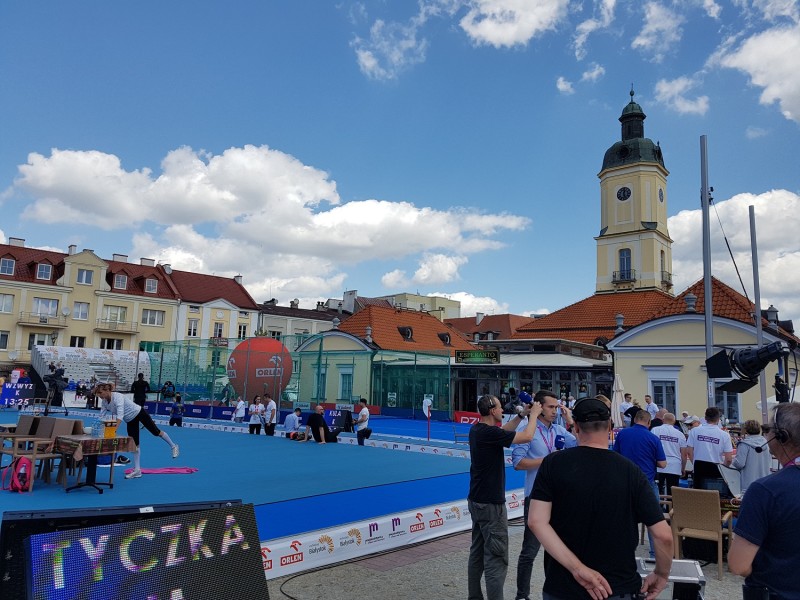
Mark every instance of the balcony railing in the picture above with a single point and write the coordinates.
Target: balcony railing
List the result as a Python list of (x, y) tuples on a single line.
[(118, 326), (666, 277), (626, 276), (37, 319)]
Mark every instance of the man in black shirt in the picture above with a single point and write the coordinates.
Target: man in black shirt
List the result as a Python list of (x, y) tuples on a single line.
[(318, 428), (488, 553), (140, 388), (587, 503)]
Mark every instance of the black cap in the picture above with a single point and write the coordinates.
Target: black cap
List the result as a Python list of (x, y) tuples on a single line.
[(591, 409)]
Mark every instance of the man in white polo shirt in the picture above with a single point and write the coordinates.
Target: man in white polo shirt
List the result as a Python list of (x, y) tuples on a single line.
[(674, 443), (709, 446)]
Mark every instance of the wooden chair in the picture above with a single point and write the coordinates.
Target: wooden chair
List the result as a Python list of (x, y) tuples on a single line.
[(46, 456), (697, 514), (31, 446)]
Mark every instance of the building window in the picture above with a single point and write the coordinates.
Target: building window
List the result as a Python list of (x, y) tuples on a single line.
[(38, 339), (45, 306), (216, 357), (346, 382), (110, 344), (320, 382), (218, 329), (664, 394), (4, 340), (193, 308), (77, 341), (192, 329), (625, 264), (150, 346), (116, 314), (80, 311), (728, 404), (44, 271), (151, 286), (243, 314), (6, 303), (242, 331), (85, 276), (662, 381), (152, 317), (120, 282), (274, 334), (7, 266)]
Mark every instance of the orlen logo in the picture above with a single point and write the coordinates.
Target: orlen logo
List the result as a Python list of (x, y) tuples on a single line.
[(417, 526), (438, 521), (373, 528), (514, 502), (296, 557), (265, 559), (328, 541)]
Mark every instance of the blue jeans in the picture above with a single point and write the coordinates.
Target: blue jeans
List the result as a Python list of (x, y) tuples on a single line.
[(653, 485), (530, 548), (488, 554)]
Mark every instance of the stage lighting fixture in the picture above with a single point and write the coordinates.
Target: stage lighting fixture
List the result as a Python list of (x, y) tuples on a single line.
[(746, 363)]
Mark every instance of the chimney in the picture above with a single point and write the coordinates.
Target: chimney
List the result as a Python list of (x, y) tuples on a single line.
[(12, 241), (340, 308), (294, 303), (72, 249), (236, 278), (620, 318), (321, 306), (691, 302), (120, 257), (147, 262), (368, 337), (336, 322), (772, 315), (479, 317)]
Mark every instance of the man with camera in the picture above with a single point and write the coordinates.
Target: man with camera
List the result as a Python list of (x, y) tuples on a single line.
[(586, 505), (488, 554), (764, 549), (548, 438)]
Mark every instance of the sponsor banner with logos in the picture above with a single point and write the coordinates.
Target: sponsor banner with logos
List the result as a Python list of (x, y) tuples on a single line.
[(315, 549), (462, 416), (408, 446)]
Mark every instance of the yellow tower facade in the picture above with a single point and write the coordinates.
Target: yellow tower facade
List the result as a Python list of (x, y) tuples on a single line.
[(634, 250)]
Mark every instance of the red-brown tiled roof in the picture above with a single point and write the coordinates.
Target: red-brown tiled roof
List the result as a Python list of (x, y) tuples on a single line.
[(385, 334), (504, 325), (26, 261), (199, 288), (364, 301), (137, 275), (595, 317)]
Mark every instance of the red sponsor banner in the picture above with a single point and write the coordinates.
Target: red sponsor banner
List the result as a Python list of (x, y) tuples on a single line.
[(467, 417)]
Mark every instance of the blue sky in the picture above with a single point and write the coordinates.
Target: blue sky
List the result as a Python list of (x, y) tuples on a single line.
[(440, 146)]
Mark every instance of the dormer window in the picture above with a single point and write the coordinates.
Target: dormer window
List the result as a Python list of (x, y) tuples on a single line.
[(120, 281), (44, 271), (7, 266), (85, 276), (151, 286), (476, 337), (407, 333), (445, 337)]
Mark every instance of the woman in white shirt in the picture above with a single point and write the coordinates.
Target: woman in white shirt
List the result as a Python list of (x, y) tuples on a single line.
[(256, 415)]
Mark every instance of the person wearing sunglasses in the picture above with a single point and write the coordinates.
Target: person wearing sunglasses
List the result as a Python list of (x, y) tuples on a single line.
[(488, 438)]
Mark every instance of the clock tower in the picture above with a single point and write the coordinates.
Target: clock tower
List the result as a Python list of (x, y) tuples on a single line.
[(634, 250)]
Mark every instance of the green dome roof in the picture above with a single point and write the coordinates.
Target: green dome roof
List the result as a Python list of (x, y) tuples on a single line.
[(634, 147)]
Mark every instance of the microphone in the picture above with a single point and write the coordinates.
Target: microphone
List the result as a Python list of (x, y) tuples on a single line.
[(760, 449)]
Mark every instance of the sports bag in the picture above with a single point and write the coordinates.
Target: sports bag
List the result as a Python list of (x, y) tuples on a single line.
[(18, 473)]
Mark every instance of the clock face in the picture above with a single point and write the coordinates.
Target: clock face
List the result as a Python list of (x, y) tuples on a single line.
[(661, 194), (623, 193)]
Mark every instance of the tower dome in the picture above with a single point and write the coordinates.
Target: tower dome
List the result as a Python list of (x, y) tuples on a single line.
[(634, 147)]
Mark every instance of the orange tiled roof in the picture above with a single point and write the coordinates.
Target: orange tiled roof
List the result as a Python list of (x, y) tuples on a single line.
[(27, 261), (385, 334), (137, 276), (595, 317), (504, 325)]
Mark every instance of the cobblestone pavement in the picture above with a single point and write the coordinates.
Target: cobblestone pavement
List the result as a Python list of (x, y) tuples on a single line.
[(437, 570)]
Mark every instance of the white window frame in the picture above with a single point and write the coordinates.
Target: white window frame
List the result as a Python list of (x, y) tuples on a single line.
[(115, 343), (112, 313), (193, 308), (191, 329), (274, 334), (77, 341), (219, 329), (320, 381), (85, 277), (7, 266), (151, 285), (80, 311), (345, 374), (242, 331), (153, 317), (664, 373), (120, 281), (6, 303), (52, 306), (4, 337), (38, 339), (43, 268)]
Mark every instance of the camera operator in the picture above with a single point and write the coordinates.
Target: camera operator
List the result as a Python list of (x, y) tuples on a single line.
[(764, 549)]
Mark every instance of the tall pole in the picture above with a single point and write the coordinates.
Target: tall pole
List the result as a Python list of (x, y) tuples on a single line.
[(762, 380), (705, 201)]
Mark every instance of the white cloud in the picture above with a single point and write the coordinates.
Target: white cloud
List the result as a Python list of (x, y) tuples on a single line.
[(390, 49), (471, 304), (594, 73), (770, 60), (564, 86), (438, 268), (535, 312), (673, 95), (712, 9), (507, 23), (394, 279), (775, 9), (752, 133), (589, 26), (779, 258), (661, 31), (258, 212)]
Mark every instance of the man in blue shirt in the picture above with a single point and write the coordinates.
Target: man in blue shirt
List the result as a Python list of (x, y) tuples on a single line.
[(549, 437), (639, 445)]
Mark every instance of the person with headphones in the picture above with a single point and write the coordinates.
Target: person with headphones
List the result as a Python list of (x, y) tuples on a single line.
[(764, 549), (488, 554)]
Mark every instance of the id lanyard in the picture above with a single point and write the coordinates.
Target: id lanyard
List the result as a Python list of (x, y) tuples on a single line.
[(549, 444)]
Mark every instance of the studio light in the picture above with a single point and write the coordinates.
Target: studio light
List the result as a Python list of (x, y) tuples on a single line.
[(746, 363)]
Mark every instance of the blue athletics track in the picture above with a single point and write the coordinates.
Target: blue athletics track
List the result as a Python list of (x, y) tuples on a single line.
[(295, 487)]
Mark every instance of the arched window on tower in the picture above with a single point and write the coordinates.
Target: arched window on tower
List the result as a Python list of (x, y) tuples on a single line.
[(625, 272)]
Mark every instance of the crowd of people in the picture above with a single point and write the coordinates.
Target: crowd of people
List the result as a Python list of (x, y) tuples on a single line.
[(583, 502)]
